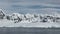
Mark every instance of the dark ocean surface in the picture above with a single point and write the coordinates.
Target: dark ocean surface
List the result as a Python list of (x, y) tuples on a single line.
[(26, 30)]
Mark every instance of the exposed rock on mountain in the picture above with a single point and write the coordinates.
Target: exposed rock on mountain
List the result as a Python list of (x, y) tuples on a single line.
[(1, 14), (32, 18)]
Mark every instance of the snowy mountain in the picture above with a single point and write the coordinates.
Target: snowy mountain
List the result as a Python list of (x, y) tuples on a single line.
[(34, 17), (29, 20)]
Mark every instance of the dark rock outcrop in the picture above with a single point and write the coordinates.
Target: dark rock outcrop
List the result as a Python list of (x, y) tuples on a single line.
[(1, 15)]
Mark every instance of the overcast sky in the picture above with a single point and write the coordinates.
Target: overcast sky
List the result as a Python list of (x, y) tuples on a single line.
[(12, 5), (21, 3)]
